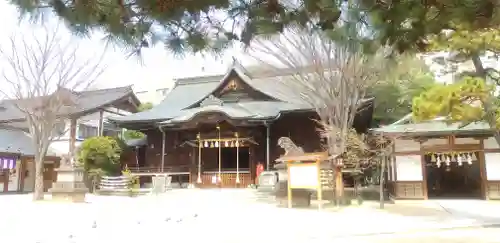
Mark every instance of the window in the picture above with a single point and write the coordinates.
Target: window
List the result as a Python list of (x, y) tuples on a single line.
[(85, 131)]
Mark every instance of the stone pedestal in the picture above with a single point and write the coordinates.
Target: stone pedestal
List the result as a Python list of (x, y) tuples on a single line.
[(70, 185)]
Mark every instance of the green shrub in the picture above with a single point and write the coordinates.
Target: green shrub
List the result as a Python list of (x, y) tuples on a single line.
[(134, 182), (100, 155)]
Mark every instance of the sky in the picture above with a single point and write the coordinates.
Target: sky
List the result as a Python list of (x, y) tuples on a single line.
[(158, 68)]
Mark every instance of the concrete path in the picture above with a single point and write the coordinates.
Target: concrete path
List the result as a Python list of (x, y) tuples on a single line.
[(222, 215)]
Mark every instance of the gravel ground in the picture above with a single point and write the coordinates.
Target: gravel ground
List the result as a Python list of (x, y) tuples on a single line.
[(476, 235), (198, 215)]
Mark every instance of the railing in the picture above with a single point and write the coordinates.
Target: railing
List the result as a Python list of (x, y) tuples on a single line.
[(158, 169), (228, 180), (227, 171)]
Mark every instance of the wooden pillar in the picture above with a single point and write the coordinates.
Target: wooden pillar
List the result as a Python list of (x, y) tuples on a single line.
[(23, 168), (4, 177), (252, 163), (268, 141), (163, 137), (339, 184), (481, 159), (100, 125), (198, 177), (72, 136)]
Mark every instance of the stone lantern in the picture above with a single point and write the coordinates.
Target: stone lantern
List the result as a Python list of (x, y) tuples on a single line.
[(70, 185)]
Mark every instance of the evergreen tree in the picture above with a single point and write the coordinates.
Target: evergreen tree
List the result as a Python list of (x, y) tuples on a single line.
[(473, 98), (212, 25), (408, 78)]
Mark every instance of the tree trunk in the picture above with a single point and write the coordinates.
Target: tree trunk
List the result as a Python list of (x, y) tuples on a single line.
[(38, 192), (488, 105), (382, 180)]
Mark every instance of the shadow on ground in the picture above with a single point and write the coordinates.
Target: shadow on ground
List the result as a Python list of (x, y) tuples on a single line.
[(477, 211)]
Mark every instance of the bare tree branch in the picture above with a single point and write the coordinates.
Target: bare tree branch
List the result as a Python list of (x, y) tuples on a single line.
[(331, 77), (44, 76)]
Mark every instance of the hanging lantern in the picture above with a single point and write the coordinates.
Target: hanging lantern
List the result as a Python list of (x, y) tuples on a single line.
[(216, 144), (447, 160), (433, 158), (205, 144), (474, 158), (469, 159), (459, 160), (232, 144), (237, 144), (453, 159), (211, 145), (226, 144), (438, 161)]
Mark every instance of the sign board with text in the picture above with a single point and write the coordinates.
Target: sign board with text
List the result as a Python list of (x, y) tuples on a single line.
[(303, 176)]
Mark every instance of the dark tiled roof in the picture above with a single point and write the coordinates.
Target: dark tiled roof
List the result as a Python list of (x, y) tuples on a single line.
[(177, 105), (92, 99), (86, 101), (189, 91), (434, 127), (17, 141)]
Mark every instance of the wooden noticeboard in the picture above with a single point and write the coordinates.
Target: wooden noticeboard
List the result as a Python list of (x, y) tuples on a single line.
[(303, 176), (304, 172)]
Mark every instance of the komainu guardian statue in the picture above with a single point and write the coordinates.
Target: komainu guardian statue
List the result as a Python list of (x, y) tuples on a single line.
[(289, 146)]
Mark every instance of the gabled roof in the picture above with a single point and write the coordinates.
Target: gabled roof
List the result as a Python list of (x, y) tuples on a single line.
[(85, 102), (190, 91)]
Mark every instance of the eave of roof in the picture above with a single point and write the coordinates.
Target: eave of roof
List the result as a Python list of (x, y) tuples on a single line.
[(87, 102), (254, 110), (432, 128)]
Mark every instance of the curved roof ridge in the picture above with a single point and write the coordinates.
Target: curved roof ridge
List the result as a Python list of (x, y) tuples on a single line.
[(228, 111), (198, 79)]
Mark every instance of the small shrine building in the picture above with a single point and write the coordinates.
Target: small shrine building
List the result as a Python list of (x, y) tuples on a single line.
[(438, 160)]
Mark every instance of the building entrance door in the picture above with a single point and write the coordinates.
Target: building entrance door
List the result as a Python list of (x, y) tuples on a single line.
[(453, 176), (9, 175)]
